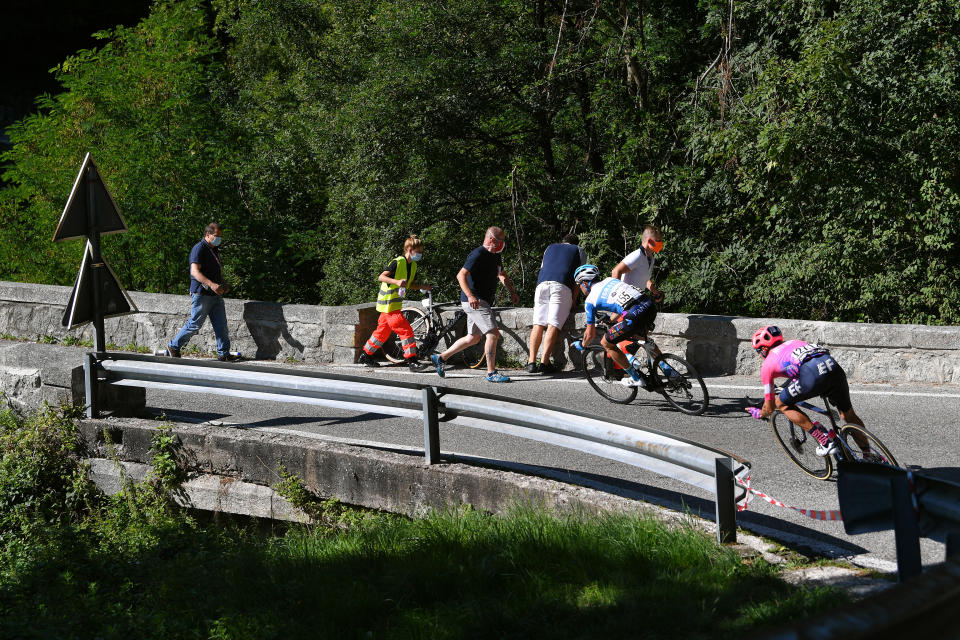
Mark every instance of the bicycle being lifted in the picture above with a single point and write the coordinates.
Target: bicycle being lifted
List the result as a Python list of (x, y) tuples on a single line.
[(430, 330), (616, 368)]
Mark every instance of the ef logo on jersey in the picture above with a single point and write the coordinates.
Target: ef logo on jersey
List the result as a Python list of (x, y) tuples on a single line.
[(793, 389)]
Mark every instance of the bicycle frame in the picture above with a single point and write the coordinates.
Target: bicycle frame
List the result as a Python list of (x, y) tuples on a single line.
[(436, 331)]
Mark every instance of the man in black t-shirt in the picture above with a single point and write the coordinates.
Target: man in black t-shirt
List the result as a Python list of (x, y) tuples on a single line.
[(206, 291), (478, 285)]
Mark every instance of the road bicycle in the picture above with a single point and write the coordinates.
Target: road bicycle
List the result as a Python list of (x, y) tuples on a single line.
[(851, 440), (430, 331), (669, 375)]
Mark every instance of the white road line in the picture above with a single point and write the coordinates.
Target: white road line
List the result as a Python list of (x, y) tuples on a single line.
[(518, 376), (855, 392)]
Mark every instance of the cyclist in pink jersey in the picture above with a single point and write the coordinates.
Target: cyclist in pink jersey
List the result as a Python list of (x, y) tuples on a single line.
[(812, 372)]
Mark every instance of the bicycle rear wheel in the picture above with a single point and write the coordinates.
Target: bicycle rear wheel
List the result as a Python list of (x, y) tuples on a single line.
[(856, 438), (680, 384), (473, 356), (420, 324), (801, 447), (603, 376)]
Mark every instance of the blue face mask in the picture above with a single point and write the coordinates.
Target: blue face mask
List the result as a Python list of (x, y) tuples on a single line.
[(216, 241), (416, 257)]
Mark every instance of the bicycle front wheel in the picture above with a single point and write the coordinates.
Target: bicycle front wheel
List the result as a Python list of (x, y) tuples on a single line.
[(420, 324), (680, 384), (864, 446), (801, 447), (603, 376)]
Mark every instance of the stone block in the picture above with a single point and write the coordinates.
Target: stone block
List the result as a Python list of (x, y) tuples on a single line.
[(350, 315), (929, 338)]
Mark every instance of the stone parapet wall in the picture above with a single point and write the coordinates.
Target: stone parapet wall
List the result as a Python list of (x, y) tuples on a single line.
[(716, 345), (264, 330)]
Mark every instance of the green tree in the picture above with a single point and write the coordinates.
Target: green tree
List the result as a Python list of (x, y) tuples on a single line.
[(144, 105)]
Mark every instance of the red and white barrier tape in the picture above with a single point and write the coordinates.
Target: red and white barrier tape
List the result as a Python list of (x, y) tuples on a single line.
[(816, 514)]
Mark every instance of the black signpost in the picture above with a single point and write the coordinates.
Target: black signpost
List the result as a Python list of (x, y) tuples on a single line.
[(90, 212)]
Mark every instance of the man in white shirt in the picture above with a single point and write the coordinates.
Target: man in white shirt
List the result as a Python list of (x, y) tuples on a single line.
[(637, 268)]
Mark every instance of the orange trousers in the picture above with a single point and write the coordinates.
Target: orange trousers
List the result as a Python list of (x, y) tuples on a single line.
[(392, 321)]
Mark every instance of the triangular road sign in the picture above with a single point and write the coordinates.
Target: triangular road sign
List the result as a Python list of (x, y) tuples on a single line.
[(74, 222), (113, 298)]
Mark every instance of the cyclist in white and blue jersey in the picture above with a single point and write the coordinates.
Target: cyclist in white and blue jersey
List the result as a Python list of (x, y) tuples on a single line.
[(634, 307)]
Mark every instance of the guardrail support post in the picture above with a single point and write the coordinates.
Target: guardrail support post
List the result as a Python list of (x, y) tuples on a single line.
[(953, 544), (90, 385), (431, 426), (726, 508), (906, 530)]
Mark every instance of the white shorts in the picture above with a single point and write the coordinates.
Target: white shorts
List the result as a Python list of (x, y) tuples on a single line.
[(479, 320), (552, 302)]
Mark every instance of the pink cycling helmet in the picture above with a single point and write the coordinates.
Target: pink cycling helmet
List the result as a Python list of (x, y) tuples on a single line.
[(766, 338)]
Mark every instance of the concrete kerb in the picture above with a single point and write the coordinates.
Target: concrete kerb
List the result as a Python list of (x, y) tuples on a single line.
[(371, 478), (232, 470)]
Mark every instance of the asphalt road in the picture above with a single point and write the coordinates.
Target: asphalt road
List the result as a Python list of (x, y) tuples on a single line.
[(917, 423)]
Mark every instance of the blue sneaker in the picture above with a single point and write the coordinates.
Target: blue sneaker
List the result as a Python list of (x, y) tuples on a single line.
[(438, 363), (496, 376)]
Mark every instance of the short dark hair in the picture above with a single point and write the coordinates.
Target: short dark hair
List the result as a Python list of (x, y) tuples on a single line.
[(212, 228), (571, 239)]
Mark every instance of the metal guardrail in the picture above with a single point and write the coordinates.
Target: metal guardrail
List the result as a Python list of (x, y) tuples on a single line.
[(915, 504), (695, 464)]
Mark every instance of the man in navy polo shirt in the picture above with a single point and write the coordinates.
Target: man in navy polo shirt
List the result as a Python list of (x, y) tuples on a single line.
[(206, 291), (478, 285), (555, 295)]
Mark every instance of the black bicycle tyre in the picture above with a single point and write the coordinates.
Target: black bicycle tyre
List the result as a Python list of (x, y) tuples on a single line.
[(847, 432), (800, 447), (604, 377), (681, 390), (419, 322)]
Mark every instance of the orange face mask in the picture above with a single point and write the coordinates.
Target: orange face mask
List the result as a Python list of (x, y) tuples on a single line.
[(656, 245)]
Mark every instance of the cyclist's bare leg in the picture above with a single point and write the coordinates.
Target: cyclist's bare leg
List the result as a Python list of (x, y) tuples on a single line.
[(466, 341), (490, 349), (794, 415), (614, 353), (536, 335), (850, 417), (549, 342)]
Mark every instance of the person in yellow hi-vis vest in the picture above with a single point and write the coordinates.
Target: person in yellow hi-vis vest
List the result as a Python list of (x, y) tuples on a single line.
[(396, 278)]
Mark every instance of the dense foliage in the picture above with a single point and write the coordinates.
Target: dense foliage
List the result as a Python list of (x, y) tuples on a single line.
[(798, 155)]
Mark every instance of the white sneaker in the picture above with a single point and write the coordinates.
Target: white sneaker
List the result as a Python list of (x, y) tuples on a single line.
[(630, 382), (828, 450), (827, 446)]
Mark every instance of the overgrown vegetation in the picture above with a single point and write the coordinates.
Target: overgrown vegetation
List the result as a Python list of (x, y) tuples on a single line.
[(799, 155), (77, 564)]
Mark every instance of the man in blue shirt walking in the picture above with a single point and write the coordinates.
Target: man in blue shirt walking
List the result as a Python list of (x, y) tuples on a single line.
[(206, 291)]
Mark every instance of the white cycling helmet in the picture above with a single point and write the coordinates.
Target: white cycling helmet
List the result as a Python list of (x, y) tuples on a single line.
[(586, 273)]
